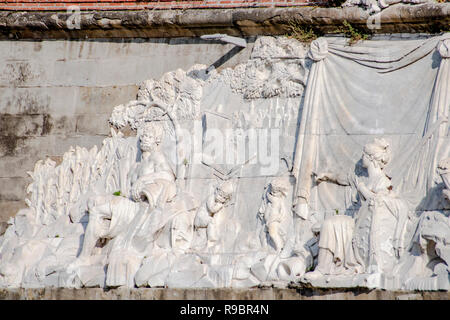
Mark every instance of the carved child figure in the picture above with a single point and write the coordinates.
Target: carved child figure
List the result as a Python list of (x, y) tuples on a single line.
[(211, 216), (274, 212)]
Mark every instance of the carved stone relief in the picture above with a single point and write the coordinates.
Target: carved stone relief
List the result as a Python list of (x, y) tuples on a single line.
[(254, 176)]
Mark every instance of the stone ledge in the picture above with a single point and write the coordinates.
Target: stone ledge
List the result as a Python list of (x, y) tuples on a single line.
[(400, 18), (216, 294)]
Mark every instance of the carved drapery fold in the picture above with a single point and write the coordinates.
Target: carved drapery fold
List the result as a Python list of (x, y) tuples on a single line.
[(303, 153), (444, 48), (318, 50), (352, 93)]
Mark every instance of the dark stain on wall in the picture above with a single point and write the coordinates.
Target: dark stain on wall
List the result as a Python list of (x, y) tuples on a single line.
[(37, 46), (9, 144), (46, 124), (15, 129), (24, 102), (19, 72)]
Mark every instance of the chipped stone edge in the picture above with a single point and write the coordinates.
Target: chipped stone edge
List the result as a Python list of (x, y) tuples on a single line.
[(246, 22)]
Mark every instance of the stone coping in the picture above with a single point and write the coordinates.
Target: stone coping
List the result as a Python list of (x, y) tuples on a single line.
[(245, 22), (217, 294)]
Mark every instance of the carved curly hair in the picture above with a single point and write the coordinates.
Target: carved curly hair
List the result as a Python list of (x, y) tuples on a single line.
[(153, 127), (278, 184), (379, 151)]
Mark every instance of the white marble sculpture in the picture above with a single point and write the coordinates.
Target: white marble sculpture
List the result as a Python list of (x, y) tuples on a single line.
[(287, 255), (275, 213), (152, 181), (372, 241), (162, 208), (210, 217), (426, 266), (110, 216)]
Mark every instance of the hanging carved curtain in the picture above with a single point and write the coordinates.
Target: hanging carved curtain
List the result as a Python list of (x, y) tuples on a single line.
[(397, 89)]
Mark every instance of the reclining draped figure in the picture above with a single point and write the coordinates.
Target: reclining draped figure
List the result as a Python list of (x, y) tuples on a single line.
[(152, 181), (131, 224)]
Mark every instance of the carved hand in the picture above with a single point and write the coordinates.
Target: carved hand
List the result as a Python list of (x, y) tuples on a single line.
[(321, 176), (397, 248), (353, 180), (136, 190), (364, 191), (340, 179)]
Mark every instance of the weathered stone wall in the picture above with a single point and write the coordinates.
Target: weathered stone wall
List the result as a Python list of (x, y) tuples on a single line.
[(57, 94), (428, 17), (150, 4)]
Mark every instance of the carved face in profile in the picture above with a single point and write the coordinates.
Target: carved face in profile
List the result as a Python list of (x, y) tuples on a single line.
[(150, 137), (223, 193), (278, 188), (376, 153), (366, 161)]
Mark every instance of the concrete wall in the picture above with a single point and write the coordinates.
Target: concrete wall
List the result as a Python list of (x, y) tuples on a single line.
[(57, 94)]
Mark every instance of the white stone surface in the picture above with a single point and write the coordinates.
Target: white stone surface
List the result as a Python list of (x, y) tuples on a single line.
[(57, 93), (247, 177)]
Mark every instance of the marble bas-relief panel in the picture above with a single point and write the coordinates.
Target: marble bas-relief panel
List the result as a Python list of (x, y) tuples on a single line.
[(270, 173)]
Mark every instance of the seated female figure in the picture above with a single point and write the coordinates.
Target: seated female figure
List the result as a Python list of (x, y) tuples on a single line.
[(372, 242)]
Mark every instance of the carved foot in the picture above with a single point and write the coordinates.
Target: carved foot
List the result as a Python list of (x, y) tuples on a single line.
[(373, 280), (313, 275), (73, 267)]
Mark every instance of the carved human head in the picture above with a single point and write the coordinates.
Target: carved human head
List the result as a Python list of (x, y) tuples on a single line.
[(378, 152), (150, 135), (224, 192), (279, 187)]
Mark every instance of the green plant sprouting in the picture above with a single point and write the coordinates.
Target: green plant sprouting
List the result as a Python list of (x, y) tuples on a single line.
[(354, 34), (300, 32)]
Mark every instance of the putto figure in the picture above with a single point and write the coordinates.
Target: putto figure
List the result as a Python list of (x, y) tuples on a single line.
[(373, 241), (211, 216), (274, 213)]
